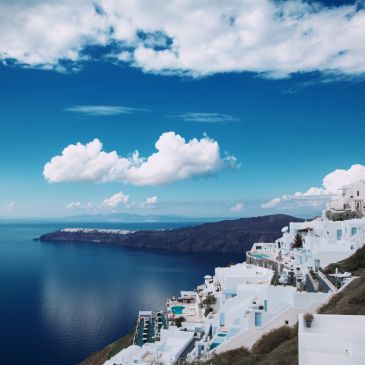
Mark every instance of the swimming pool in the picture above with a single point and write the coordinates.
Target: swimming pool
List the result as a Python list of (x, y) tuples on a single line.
[(178, 309), (217, 340), (260, 255)]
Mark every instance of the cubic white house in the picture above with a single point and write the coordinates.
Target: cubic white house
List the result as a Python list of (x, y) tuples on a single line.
[(350, 204)]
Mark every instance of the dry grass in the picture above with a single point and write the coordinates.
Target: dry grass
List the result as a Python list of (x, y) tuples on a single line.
[(354, 264), (99, 357)]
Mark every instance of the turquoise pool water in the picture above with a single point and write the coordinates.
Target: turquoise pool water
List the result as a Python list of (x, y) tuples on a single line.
[(260, 255), (178, 309), (218, 339)]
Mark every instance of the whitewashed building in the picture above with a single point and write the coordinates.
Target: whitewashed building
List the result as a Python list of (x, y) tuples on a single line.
[(323, 242), (350, 204)]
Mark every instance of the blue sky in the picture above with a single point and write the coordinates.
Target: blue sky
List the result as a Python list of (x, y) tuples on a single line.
[(287, 130)]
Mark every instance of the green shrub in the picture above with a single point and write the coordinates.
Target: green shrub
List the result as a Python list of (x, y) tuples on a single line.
[(272, 339)]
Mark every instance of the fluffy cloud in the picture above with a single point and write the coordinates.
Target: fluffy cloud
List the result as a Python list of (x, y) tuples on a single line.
[(338, 178), (174, 160), (149, 202), (115, 200), (272, 38), (318, 197), (272, 203), (237, 207), (103, 110)]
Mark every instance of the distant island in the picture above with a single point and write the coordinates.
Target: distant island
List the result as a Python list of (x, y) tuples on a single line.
[(229, 236)]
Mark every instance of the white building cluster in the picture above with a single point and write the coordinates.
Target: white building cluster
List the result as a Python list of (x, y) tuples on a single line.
[(350, 204), (278, 283)]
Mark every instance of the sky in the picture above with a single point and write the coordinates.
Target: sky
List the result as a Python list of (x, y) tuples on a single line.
[(214, 109)]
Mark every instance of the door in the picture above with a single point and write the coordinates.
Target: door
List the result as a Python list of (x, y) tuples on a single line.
[(258, 319), (221, 319)]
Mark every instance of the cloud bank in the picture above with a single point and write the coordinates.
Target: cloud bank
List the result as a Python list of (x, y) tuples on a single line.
[(175, 159), (271, 38), (319, 197), (112, 203)]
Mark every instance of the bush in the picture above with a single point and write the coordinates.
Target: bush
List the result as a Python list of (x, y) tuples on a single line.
[(308, 317), (273, 339), (179, 321), (207, 311), (298, 241)]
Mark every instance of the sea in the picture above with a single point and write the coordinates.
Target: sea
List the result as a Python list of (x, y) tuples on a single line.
[(59, 302)]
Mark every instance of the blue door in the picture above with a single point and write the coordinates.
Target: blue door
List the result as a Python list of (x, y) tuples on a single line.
[(221, 319), (258, 319), (265, 305), (339, 234)]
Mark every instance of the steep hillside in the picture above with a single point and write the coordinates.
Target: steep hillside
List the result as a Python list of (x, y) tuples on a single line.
[(225, 236), (99, 357)]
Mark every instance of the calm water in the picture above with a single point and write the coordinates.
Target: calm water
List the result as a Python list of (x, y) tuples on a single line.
[(60, 302)]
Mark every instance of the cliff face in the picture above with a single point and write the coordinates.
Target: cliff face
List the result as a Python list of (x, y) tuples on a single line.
[(231, 236)]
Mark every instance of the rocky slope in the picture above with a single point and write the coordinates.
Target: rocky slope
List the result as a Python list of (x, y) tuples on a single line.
[(229, 236)]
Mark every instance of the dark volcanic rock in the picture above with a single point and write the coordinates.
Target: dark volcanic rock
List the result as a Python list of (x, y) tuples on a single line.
[(225, 236)]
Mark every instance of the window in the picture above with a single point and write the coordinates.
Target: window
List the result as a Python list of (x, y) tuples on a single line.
[(353, 231), (358, 193), (339, 234)]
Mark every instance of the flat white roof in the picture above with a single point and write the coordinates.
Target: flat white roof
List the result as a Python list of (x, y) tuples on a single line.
[(335, 325)]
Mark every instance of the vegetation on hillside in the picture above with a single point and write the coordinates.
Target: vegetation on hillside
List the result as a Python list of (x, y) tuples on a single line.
[(354, 264), (99, 357)]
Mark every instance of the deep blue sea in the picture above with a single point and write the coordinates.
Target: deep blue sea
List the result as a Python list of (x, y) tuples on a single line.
[(61, 301)]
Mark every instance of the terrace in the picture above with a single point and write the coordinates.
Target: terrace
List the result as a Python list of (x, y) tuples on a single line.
[(148, 328)]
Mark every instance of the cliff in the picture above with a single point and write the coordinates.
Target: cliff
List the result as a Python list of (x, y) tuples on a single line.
[(230, 236)]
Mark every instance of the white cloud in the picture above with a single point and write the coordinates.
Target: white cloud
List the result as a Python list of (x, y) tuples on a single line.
[(206, 117), (115, 200), (103, 110), (151, 200), (272, 203), (340, 177), (12, 206), (237, 207), (80, 205), (74, 205), (318, 197), (112, 203), (174, 160), (272, 38)]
